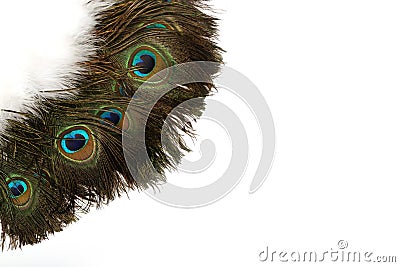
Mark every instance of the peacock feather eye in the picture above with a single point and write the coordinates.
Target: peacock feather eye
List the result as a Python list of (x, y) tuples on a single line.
[(114, 116), (146, 61), (20, 191), (76, 143)]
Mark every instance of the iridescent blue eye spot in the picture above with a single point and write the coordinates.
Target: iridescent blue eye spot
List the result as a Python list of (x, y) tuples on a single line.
[(74, 141), (17, 188), (114, 116), (156, 26), (144, 62)]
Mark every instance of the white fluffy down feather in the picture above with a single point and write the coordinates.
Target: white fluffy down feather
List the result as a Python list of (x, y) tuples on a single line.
[(41, 44)]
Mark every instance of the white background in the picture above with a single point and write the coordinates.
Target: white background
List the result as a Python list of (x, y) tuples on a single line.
[(329, 71)]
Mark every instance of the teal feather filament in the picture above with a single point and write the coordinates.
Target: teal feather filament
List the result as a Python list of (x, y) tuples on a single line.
[(157, 26), (122, 91)]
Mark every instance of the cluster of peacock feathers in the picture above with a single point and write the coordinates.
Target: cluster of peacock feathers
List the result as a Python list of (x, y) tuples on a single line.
[(64, 155)]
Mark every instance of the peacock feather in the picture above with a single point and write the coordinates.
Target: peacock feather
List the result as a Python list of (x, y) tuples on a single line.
[(62, 153)]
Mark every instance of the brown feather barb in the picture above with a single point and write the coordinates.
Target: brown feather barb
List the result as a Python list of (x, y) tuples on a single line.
[(65, 155)]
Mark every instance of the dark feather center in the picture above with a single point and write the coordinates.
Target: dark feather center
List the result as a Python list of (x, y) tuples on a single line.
[(77, 143), (17, 190), (114, 118), (146, 65)]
